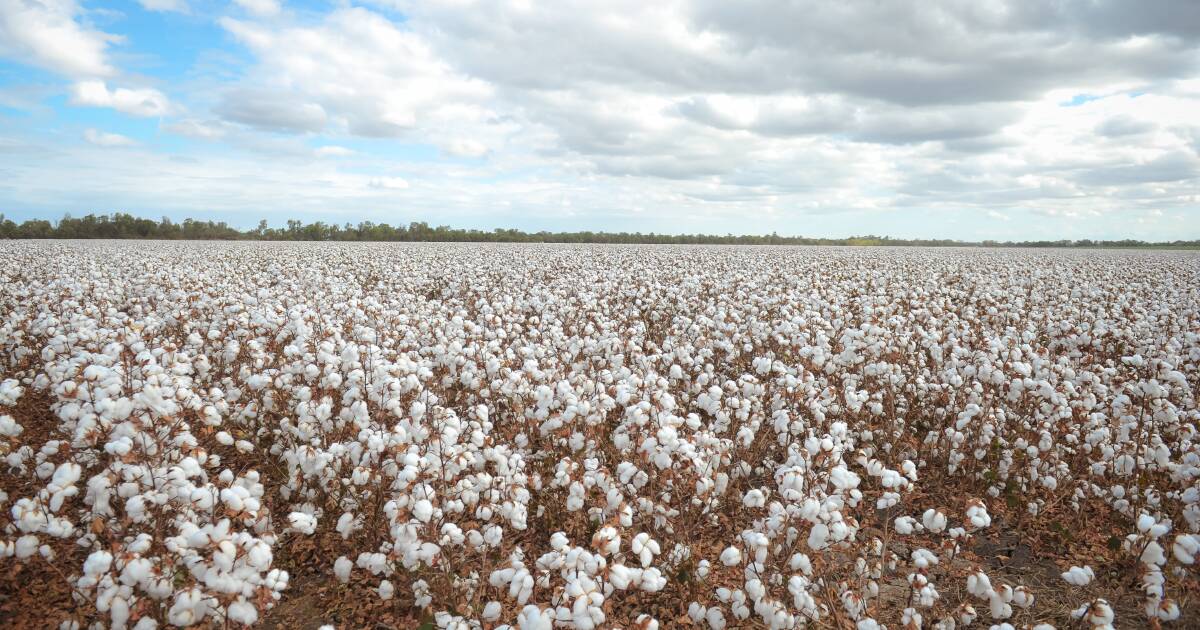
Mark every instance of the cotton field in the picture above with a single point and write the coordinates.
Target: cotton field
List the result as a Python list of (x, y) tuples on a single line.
[(537, 437)]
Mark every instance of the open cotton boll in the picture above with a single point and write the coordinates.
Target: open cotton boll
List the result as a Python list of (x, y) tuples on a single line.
[(385, 590), (977, 515), (731, 556), (534, 618), (934, 521), (904, 525), (341, 569), (1186, 548), (303, 523), (644, 548), (243, 612), (1079, 576), (423, 510)]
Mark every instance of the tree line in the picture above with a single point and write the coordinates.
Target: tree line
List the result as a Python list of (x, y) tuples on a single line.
[(126, 226)]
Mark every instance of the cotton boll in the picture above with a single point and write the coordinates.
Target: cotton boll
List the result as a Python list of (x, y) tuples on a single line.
[(534, 618), (977, 515), (422, 510), (1079, 576), (385, 590), (97, 564), (341, 568), (905, 525), (934, 521), (1186, 548), (754, 498), (645, 548), (243, 612), (731, 556), (303, 523), (27, 545)]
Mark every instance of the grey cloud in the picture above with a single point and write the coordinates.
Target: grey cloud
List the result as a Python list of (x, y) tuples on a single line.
[(1169, 167), (1123, 125), (272, 111)]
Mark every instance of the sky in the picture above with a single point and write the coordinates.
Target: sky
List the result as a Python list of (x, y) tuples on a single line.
[(968, 119)]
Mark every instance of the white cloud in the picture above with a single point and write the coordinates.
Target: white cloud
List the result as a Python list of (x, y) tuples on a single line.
[(696, 112), (389, 183), (332, 150), (260, 8), (202, 129), (47, 33), (178, 6), (137, 102), (465, 147), (356, 71), (104, 139)]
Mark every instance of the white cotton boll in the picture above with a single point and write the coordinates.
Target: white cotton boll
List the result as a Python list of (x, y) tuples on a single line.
[(977, 515), (118, 611), (924, 558), (534, 618), (346, 525), (621, 577), (999, 608), (702, 569), (385, 590), (715, 618), (978, 584), (1186, 548), (731, 556), (1145, 522), (491, 611), (606, 541), (243, 612), (934, 521), (9, 426), (223, 437), (1166, 610), (341, 568), (905, 525), (1153, 554), (97, 564), (754, 499), (818, 537), (1079, 576), (27, 545), (422, 510), (1022, 597), (644, 548), (303, 523)]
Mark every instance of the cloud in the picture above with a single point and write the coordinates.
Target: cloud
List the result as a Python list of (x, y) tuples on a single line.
[(202, 129), (272, 111), (389, 183), (696, 112), (260, 8), (332, 151), (1124, 125), (104, 139), (177, 6), (47, 33), (355, 70), (143, 102)]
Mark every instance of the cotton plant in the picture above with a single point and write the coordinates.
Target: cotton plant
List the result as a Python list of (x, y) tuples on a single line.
[(539, 437)]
